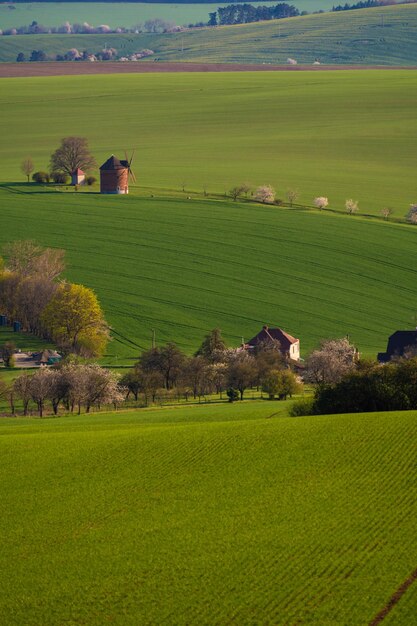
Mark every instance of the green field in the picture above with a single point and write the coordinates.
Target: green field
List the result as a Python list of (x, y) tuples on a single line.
[(122, 13), (378, 36), (185, 266), (211, 515)]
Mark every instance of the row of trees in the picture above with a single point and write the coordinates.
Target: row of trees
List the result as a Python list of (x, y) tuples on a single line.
[(160, 371), (267, 195), (155, 25), (246, 13), (367, 4), (32, 292), (73, 54), (73, 386), (212, 369)]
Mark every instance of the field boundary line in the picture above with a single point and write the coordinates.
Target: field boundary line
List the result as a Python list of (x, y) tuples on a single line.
[(394, 599)]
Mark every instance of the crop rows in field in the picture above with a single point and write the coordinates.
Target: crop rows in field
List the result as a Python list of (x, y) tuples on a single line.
[(153, 266), (282, 521)]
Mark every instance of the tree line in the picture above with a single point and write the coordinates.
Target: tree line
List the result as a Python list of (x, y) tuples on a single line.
[(33, 292), (155, 25), (160, 372), (247, 13)]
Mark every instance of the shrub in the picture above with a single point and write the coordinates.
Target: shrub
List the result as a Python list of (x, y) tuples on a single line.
[(305, 406), (59, 177), (90, 180), (41, 177), (232, 394)]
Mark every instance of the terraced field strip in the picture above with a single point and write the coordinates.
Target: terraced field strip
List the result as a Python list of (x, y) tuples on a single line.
[(376, 36), (125, 14), (216, 518)]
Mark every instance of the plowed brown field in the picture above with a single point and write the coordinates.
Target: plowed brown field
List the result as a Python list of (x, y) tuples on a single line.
[(12, 70)]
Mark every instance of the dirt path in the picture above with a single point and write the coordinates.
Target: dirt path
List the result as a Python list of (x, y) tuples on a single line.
[(15, 70), (395, 598)]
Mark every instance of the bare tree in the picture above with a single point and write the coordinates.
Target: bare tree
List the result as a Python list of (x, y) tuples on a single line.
[(41, 386), (27, 167), (292, 195), (351, 206), (386, 212), (265, 194), (321, 202), (73, 153)]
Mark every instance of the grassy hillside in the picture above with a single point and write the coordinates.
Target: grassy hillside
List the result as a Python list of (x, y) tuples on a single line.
[(378, 36), (121, 13), (207, 516), (186, 266), (341, 135)]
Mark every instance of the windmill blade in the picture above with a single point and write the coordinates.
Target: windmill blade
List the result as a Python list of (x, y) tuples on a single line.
[(126, 157), (131, 158), (132, 175)]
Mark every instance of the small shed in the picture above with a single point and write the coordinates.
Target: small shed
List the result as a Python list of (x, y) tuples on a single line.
[(77, 177)]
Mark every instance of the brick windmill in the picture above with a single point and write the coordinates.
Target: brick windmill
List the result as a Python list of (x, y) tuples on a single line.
[(114, 175)]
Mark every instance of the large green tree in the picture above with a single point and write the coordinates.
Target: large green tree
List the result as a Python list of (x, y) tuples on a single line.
[(75, 321)]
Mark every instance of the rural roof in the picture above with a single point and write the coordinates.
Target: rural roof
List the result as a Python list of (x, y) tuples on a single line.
[(78, 172), (398, 344), (274, 334), (113, 163)]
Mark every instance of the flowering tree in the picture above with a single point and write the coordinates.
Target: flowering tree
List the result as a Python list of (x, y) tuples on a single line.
[(386, 212), (351, 206), (265, 194), (321, 202), (412, 214)]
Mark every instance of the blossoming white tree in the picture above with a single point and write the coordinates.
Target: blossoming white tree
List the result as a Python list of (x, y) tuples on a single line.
[(265, 194), (321, 202), (412, 214), (351, 206)]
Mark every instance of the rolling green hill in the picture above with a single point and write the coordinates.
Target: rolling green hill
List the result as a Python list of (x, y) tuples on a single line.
[(377, 36), (122, 13), (185, 266), (209, 515)]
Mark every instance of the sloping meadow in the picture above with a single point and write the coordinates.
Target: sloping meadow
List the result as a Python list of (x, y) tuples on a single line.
[(207, 515)]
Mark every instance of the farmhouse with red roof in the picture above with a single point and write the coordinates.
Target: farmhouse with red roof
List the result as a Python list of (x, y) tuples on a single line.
[(288, 345)]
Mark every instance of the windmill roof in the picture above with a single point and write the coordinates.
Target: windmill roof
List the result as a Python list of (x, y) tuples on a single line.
[(113, 163)]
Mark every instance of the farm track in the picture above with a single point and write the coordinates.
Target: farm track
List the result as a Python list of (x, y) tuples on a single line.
[(22, 70)]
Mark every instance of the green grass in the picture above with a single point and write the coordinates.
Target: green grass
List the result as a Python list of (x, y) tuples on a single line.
[(186, 266), (341, 135), (24, 341), (378, 36), (210, 515), (121, 13)]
